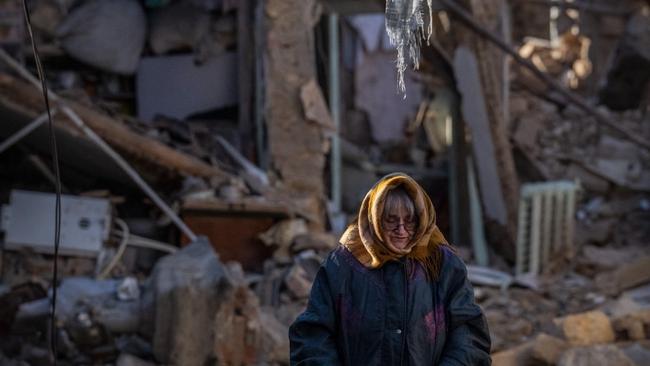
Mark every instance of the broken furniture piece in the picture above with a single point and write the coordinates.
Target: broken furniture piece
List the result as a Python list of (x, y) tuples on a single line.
[(233, 227)]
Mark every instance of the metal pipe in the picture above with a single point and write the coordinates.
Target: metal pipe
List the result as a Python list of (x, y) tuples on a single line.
[(335, 109)]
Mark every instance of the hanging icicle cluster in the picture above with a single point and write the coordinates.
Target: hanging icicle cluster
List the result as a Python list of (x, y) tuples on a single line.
[(405, 27)]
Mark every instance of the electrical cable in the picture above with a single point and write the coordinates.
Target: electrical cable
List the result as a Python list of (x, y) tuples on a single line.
[(129, 239), (120, 250), (57, 175)]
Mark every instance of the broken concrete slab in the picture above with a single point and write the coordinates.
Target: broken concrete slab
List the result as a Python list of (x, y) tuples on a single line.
[(633, 324), (186, 288), (315, 106), (519, 355), (245, 333), (623, 172), (602, 355), (593, 327), (548, 349), (596, 259), (615, 148), (633, 274), (598, 232), (637, 352), (588, 180)]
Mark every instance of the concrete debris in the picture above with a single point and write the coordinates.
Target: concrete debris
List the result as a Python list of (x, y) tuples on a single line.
[(298, 281), (128, 290), (588, 328), (601, 355), (262, 202), (595, 260), (639, 353), (185, 288), (548, 349), (314, 105), (319, 241), (626, 277), (634, 325), (184, 26), (130, 360), (246, 334), (109, 35), (283, 234), (513, 357)]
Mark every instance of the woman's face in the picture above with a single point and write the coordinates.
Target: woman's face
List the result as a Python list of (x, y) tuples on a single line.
[(398, 227)]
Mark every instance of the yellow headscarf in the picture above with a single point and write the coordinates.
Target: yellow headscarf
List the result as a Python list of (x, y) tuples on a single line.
[(364, 237)]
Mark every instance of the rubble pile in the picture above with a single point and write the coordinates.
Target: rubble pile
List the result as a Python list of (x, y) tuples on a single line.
[(149, 293), (192, 308)]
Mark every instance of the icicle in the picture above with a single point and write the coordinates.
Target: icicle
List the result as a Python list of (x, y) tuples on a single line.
[(405, 28)]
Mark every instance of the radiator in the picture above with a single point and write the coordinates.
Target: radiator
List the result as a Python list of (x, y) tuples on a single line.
[(545, 224)]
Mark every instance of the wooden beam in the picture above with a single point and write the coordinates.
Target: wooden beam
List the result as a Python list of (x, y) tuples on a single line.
[(30, 100)]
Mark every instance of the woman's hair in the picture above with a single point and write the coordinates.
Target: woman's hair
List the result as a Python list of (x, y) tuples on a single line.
[(396, 198)]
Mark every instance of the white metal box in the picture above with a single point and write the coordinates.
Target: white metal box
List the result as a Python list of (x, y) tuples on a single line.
[(28, 221)]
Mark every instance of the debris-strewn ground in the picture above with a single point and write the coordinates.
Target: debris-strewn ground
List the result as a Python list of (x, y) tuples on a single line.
[(229, 298)]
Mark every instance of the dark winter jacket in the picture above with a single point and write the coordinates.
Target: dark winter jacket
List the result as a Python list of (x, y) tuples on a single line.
[(390, 316)]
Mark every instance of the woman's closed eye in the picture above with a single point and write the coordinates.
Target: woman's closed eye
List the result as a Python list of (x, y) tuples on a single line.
[(393, 222)]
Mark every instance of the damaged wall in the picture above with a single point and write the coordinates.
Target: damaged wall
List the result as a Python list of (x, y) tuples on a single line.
[(297, 146)]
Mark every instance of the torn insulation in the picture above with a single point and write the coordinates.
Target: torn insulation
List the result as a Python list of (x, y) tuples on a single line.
[(405, 22)]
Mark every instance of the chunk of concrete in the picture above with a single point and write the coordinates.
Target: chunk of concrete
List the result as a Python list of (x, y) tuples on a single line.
[(246, 334), (601, 355), (520, 355), (548, 349), (592, 327), (634, 324), (187, 288), (638, 353)]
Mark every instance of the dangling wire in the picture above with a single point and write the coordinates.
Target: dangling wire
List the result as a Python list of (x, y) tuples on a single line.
[(57, 175)]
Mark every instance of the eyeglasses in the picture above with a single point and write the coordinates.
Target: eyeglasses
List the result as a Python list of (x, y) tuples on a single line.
[(393, 224)]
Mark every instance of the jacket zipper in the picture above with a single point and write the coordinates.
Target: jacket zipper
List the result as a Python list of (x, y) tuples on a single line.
[(404, 315)]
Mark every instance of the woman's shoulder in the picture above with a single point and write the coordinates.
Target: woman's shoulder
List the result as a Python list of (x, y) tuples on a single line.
[(341, 259), (452, 264)]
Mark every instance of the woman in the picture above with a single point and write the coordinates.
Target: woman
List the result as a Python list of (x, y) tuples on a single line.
[(393, 293)]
